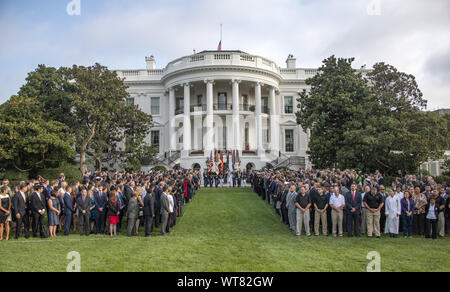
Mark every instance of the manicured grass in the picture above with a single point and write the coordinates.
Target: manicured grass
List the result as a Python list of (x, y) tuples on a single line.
[(225, 230)]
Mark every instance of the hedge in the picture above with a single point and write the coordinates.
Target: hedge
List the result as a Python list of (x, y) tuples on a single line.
[(71, 172), (14, 176), (159, 168), (443, 179)]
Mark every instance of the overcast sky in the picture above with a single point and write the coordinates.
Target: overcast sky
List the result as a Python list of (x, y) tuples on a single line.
[(413, 35)]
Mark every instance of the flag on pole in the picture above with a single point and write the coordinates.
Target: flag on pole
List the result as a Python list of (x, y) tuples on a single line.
[(210, 161), (221, 162), (219, 47)]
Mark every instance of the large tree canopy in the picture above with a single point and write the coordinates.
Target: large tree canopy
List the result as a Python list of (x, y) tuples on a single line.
[(29, 141), (368, 122), (91, 102)]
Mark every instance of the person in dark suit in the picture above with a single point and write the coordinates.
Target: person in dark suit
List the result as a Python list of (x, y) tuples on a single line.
[(157, 199), (273, 193), (353, 201), (165, 208), (37, 205), (84, 210), (21, 207), (149, 212), (101, 200), (283, 208), (68, 211)]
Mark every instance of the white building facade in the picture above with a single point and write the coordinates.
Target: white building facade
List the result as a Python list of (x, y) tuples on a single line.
[(222, 100)]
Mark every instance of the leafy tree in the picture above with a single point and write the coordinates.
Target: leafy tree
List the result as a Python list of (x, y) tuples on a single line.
[(47, 84), (98, 99), (368, 122), (29, 141), (328, 107), (136, 129), (91, 102)]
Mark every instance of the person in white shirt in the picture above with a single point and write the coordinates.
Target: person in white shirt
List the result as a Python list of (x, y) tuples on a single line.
[(337, 204), (399, 193), (230, 178), (393, 210)]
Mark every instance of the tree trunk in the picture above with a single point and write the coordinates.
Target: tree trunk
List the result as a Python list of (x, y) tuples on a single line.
[(98, 163), (83, 162), (83, 148)]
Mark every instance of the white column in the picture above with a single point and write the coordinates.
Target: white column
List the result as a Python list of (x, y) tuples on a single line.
[(258, 120), (172, 132), (209, 143), (187, 120), (274, 123), (236, 131)]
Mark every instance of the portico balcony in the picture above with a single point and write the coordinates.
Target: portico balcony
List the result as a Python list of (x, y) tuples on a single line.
[(222, 107)]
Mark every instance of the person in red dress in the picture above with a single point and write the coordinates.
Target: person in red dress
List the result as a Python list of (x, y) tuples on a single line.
[(113, 212)]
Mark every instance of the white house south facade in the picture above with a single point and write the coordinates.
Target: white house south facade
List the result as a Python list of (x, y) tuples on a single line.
[(222, 100)]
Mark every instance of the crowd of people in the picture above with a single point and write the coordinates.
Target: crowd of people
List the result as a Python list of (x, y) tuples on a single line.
[(147, 199), (229, 178), (331, 201), (334, 202)]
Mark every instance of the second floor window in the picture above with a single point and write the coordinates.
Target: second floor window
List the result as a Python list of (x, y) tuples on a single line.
[(155, 105), (130, 101), (288, 105)]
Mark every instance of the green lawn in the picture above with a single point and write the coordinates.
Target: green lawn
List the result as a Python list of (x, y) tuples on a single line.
[(225, 230)]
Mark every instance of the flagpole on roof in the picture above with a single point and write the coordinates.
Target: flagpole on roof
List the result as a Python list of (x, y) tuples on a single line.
[(219, 48)]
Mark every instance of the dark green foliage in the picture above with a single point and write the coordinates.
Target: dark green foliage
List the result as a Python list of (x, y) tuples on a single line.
[(369, 122), (29, 141), (71, 172), (159, 168)]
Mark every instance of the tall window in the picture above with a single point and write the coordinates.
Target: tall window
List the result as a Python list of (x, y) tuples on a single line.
[(245, 105), (245, 99), (288, 105), (130, 101), (155, 106), (264, 104), (179, 105), (246, 135), (267, 134), (289, 140), (155, 140), (222, 101)]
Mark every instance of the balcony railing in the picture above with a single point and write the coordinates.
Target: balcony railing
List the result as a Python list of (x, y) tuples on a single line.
[(222, 107), (247, 107), (179, 111)]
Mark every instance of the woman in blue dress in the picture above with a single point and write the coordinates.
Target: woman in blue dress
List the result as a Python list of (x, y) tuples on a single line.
[(54, 209)]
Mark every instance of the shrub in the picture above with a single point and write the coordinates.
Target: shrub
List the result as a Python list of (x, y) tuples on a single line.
[(14, 176), (443, 179), (388, 180), (159, 168), (424, 173), (71, 172)]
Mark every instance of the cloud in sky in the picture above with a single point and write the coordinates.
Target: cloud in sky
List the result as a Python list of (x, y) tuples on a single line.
[(412, 35)]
